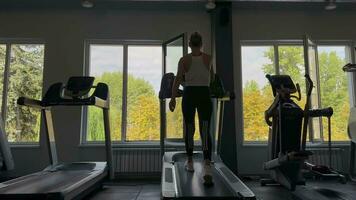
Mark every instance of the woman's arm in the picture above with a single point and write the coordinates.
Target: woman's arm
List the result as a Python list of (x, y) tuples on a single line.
[(212, 72), (177, 81)]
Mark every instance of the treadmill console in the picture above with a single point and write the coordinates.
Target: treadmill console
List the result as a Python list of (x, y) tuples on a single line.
[(279, 82)]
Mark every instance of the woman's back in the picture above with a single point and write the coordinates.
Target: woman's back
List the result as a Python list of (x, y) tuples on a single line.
[(197, 71)]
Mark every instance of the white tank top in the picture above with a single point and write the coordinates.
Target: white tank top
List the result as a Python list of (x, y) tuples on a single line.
[(198, 73)]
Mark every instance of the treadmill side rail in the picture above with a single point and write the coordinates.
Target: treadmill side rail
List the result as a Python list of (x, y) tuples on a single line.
[(237, 186), (169, 187)]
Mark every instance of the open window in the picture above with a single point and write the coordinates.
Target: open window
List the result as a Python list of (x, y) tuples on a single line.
[(173, 50), (311, 66)]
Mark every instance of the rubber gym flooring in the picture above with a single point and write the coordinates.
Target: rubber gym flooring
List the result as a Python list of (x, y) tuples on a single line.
[(330, 190)]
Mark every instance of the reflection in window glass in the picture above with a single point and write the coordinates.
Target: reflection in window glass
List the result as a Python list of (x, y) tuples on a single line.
[(257, 61), (144, 76), (174, 119), (25, 79), (106, 65), (334, 89)]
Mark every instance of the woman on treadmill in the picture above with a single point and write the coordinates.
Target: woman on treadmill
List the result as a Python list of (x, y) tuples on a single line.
[(194, 73)]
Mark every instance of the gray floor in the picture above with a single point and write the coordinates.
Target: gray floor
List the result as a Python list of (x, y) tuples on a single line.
[(317, 190), (129, 191)]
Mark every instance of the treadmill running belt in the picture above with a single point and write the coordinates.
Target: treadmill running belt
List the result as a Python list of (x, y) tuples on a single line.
[(46, 182), (191, 184)]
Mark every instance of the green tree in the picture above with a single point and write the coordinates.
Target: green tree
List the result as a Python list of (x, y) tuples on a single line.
[(255, 102), (142, 110), (25, 79), (333, 83), (334, 93), (95, 116)]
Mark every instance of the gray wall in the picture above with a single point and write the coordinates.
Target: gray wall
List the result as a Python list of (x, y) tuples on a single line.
[(64, 32), (256, 23)]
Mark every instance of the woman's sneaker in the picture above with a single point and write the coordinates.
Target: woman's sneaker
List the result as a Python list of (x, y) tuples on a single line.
[(189, 166), (208, 176)]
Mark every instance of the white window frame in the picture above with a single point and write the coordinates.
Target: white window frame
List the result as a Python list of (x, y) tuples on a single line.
[(84, 121), (276, 43), (8, 42)]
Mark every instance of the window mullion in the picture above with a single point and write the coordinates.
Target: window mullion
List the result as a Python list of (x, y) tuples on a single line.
[(352, 80), (6, 82), (124, 95), (86, 72), (318, 91), (276, 58)]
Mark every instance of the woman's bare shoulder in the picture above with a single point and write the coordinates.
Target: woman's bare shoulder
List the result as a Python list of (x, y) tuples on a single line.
[(206, 58)]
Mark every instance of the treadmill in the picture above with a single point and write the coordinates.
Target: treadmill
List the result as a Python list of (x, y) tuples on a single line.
[(176, 182), (64, 181)]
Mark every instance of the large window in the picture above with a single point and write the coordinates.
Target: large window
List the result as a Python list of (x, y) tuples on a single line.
[(21, 71), (258, 60), (106, 65), (144, 79), (133, 73), (334, 89)]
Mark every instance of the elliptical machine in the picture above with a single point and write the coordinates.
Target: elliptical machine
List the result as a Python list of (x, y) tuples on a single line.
[(288, 134)]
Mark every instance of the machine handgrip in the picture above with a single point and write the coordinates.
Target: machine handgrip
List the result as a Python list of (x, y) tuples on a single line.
[(322, 112), (29, 102), (232, 95), (310, 84)]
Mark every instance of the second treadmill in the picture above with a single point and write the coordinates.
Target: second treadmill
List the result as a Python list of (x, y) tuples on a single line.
[(176, 182)]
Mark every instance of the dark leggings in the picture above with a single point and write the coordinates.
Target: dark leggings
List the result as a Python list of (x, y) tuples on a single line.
[(197, 98)]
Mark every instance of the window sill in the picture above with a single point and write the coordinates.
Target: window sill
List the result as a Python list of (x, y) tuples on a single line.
[(309, 144), (24, 145), (151, 144)]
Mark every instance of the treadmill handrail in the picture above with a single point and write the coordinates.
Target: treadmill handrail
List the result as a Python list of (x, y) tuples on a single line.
[(24, 101), (91, 101)]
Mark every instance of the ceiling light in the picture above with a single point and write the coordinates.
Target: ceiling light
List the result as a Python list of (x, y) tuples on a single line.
[(331, 5), (87, 3), (210, 5)]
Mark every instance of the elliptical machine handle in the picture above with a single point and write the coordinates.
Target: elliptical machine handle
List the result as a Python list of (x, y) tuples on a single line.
[(310, 84), (321, 112), (271, 110), (299, 97)]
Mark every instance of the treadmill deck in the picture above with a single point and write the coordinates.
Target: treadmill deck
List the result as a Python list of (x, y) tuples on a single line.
[(177, 183), (68, 181), (191, 183)]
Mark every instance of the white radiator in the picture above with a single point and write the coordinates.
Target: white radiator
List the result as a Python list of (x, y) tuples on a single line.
[(139, 161), (321, 157)]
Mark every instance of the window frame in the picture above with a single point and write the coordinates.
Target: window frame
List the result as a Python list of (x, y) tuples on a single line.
[(86, 70), (8, 42), (350, 55)]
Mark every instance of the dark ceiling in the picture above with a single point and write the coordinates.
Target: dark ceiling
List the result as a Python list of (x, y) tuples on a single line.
[(25, 4)]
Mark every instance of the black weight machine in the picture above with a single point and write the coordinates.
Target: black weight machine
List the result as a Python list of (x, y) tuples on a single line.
[(288, 135)]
